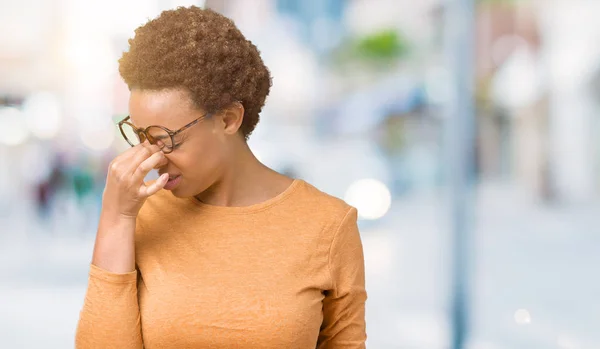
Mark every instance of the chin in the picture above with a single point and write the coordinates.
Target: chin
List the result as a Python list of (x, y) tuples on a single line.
[(185, 190), (182, 191), (179, 192)]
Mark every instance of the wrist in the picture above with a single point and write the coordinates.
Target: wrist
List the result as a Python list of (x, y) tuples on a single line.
[(114, 217), (113, 210)]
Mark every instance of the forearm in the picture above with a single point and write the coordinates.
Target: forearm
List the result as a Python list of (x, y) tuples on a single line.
[(110, 317), (114, 249)]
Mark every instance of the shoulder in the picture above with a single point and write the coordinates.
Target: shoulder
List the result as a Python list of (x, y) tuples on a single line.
[(325, 207)]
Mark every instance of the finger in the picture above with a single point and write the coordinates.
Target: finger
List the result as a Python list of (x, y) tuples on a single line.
[(148, 190), (125, 157), (152, 147), (155, 160), (143, 153), (120, 166), (135, 149)]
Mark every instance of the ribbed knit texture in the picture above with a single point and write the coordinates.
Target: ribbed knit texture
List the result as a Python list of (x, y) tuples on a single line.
[(286, 273)]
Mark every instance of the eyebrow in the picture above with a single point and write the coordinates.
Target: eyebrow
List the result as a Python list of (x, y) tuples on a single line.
[(144, 127)]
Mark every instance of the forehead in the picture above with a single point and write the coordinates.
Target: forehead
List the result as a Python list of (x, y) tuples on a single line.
[(170, 108)]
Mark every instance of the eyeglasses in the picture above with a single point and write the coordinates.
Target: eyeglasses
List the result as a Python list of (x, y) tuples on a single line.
[(158, 135)]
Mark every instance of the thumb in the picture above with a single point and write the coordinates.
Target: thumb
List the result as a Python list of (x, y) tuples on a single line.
[(149, 190)]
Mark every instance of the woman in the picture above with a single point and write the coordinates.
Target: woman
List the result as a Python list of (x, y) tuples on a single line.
[(220, 251)]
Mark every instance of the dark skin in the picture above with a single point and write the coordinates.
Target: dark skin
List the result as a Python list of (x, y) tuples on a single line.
[(213, 159)]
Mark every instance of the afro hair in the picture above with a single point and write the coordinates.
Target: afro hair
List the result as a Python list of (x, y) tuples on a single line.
[(203, 52)]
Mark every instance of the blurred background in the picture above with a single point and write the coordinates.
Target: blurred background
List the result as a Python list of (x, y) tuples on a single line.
[(359, 108)]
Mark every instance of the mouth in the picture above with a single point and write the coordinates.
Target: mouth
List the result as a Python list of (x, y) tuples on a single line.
[(173, 181)]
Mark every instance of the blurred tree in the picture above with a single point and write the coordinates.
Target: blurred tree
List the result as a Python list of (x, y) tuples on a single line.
[(378, 50), (384, 45)]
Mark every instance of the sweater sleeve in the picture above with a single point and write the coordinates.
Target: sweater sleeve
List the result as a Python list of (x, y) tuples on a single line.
[(110, 317), (344, 305)]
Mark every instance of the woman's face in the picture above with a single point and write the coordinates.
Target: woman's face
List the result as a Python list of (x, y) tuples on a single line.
[(204, 150)]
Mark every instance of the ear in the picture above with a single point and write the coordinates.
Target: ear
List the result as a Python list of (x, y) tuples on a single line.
[(232, 118)]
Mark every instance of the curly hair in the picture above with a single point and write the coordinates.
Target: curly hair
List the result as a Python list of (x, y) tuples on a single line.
[(203, 52)]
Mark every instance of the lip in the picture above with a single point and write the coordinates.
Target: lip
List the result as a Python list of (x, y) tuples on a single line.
[(173, 182)]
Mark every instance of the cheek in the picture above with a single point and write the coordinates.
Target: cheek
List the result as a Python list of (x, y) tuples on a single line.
[(198, 159)]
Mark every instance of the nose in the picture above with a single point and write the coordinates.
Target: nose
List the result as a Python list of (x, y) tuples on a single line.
[(163, 162)]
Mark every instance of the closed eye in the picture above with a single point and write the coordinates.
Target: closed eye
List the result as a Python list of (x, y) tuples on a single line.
[(161, 138), (179, 139)]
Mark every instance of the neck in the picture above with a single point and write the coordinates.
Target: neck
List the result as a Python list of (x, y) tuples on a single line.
[(246, 181)]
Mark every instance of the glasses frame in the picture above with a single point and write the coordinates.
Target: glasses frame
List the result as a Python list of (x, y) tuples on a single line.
[(144, 131)]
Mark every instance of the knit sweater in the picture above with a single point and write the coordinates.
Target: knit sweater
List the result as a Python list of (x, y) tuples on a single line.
[(284, 273)]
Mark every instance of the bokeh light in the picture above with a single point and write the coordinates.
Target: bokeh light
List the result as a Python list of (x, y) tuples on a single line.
[(371, 198), (43, 114), (522, 317), (13, 126), (98, 136)]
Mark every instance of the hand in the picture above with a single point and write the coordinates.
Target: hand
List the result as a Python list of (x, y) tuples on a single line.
[(125, 190)]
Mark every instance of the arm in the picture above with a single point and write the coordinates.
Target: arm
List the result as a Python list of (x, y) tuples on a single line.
[(110, 317), (344, 305)]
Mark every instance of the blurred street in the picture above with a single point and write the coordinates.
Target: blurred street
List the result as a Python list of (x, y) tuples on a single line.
[(371, 101), (533, 283)]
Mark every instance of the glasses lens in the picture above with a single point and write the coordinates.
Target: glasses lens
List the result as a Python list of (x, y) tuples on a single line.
[(160, 137), (130, 134)]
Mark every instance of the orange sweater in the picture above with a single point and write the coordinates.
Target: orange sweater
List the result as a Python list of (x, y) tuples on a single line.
[(285, 273)]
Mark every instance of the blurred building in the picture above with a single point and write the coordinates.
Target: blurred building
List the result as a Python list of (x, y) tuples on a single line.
[(358, 108)]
